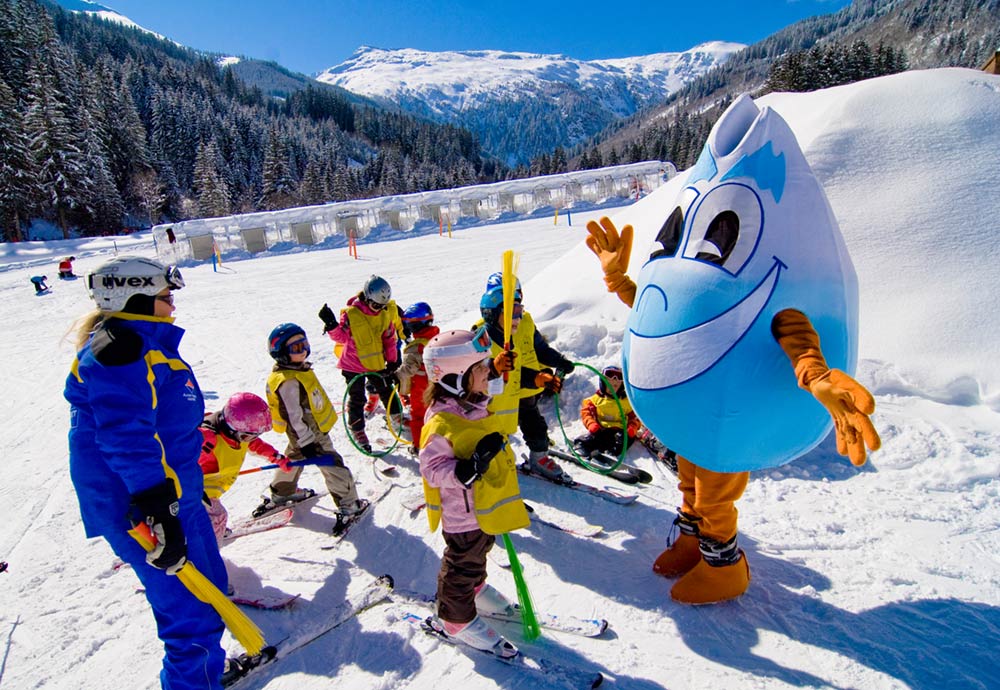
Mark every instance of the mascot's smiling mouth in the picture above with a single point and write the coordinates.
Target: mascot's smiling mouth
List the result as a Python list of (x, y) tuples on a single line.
[(682, 356)]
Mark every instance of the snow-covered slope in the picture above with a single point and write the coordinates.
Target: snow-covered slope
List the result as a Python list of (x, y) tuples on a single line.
[(450, 82), (521, 104), (885, 576), (102, 12)]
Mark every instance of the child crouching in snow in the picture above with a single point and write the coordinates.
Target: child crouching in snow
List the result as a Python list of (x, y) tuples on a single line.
[(229, 434), (603, 419), (470, 484)]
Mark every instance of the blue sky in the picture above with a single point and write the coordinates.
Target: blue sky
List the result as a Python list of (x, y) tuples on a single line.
[(310, 35)]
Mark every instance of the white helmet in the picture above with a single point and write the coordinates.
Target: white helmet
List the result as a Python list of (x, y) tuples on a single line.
[(377, 290), (113, 283), (448, 355)]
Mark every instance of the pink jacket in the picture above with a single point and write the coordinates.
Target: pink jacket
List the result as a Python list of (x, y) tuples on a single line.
[(349, 360), (437, 465)]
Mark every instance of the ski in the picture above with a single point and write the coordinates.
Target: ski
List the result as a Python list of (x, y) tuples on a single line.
[(382, 490), (246, 526), (374, 593), (265, 602), (585, 627), (260, 512), (658, 450), (546, 669), (581, 528), (607, 494), (626, 474)]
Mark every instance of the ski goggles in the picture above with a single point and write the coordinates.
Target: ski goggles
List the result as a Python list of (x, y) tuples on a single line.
[(175, 281), (518, 311), (481, 341), (298, 346), (246, 436)]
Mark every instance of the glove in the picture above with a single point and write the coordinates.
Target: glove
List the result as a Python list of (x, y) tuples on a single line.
[(548, 381), (850, 404), (619, 440), (594, 428), (157, 507), (282, 462), (391, 367), (468, 471), (329, 320), (311, 450), (614, 252), (566, 368), (504, 361)]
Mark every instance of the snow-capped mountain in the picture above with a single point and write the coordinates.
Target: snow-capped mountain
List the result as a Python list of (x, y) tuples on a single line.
[(522, 104), (102, 12)]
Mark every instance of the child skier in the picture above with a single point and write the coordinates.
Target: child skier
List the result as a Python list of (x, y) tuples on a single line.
[(367, 335), (603, 420), (66, 268), (518, 403), (300, 407), (419, 320), (229, 434), (470, 485), (39, 283)]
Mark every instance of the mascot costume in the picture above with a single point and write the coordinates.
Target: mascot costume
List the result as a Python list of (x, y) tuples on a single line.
[(749, 271)]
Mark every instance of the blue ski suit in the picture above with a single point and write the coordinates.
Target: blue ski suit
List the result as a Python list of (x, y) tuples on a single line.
[(135, 407)]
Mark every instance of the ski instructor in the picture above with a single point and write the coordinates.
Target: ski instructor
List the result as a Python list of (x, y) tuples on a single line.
[(134, 443)]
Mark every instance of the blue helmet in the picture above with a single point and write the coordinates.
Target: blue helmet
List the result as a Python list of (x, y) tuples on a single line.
[(493, 297), (277, 342), (418, 315)]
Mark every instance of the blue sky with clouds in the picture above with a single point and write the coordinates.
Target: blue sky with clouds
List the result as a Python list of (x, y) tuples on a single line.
[(310, 35)]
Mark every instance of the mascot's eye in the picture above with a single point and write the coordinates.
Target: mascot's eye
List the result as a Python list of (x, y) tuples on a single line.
[(670, 234), (725, 227)]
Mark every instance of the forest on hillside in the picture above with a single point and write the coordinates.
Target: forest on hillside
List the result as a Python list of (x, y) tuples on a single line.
[(103, 127)]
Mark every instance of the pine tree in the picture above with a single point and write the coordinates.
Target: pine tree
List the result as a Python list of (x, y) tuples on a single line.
[(17, 168), (211, 189), (279, 185), (313, 188)]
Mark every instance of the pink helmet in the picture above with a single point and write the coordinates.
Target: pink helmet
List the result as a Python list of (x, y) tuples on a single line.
[(448, 355), (247, 413)]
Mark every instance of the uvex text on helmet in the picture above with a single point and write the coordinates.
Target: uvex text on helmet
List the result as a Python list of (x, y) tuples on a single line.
[(112, 283)]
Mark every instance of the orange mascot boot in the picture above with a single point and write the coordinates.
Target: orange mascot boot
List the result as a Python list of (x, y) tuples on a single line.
[(685, 552), (722, 574)]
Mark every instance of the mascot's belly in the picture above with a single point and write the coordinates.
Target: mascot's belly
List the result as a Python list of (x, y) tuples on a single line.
[(702, 368)]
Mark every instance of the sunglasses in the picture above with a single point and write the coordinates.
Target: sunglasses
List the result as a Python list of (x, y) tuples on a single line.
[(168, 298)]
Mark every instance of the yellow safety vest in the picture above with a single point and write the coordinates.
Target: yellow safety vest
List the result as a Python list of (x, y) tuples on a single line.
[(497, 496), (607, 411), (319, 404), (505, 405), (230, 462), (366, 332)]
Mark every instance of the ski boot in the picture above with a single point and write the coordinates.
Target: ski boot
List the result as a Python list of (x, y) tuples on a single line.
[(490, 600), (361, 439), (372, 405), (274, 502), (478, 634), (540, 463), (348, 515), (238, 666)]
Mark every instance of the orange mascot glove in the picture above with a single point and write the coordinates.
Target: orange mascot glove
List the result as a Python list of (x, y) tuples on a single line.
[(614, 251), (850, 404)]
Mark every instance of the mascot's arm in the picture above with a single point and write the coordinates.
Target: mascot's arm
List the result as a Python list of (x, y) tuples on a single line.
[(847, 401), (614, 251)]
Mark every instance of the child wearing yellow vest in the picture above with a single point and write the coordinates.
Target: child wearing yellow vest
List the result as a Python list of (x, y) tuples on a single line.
[(228, 435), (602, 418), (470, 483), (301, 409)]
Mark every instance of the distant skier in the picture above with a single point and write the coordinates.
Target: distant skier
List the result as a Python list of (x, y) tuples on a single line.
[(229, 434), (66, 268), (301, 408), (419, 321), (366, 338), (40, 286), (470, 484)]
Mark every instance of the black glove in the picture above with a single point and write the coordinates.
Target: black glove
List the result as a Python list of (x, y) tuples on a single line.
[(329, 320), (565, 368), (311, 450), (619, 441), (158, 506), (468, 471), (391, 367)]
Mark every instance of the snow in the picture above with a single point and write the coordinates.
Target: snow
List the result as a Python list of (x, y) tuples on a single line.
[(451, 82), (885, 576)]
